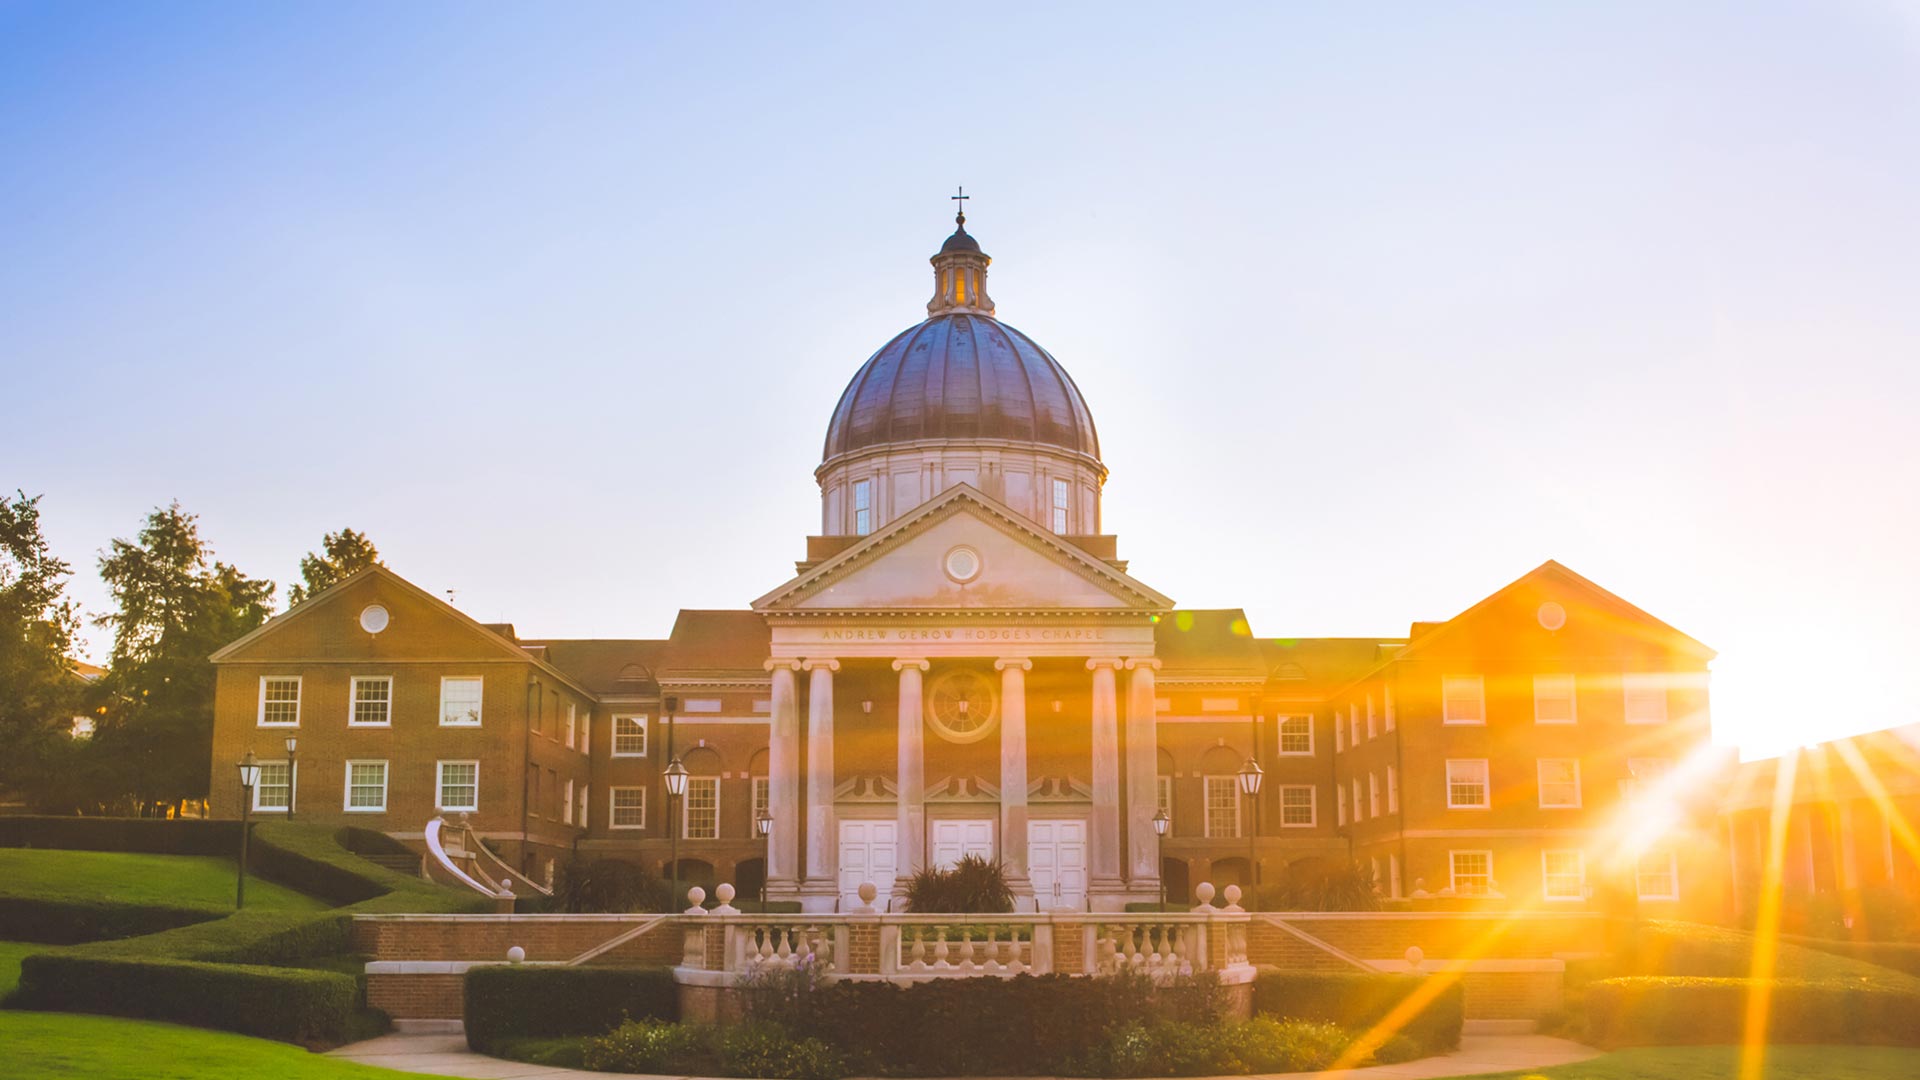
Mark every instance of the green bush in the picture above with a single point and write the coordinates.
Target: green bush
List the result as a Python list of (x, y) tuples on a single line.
[(1315, 886), (770, 1051), (1359, 1001), (1681, 1010), (311, 1007), (651, 1046), (1898, 955), (1260, 1045), (1398, 1048), (972, 886), (507, 1001), (1661, 947), (69, 922), (607, 885), (152, 836)]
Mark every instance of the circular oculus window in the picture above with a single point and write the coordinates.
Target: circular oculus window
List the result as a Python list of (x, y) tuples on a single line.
[(1552, 615), (963, 705), (962, 564), (373, 618)]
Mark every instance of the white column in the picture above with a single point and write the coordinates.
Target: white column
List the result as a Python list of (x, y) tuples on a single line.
[(1143, 774), (911, 779), (823, 834), (1013, 771), (1104, 844), (783, 782)]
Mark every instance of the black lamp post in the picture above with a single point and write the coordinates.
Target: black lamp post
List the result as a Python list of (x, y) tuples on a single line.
[(1160, 823), (249, 777), (764, 826), (293, 746), (1250, 776), (676, 786)]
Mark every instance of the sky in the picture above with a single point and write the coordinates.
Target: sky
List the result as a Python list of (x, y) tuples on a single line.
[(1377, 307)]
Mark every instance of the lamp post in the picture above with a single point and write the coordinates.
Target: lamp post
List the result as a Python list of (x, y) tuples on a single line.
[(676, 787), (1250, 776), (764, 826), (1160, 823), (293, 786), (249, 776)]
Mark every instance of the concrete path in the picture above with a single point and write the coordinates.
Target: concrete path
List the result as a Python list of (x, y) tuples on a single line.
[(447, 1055)]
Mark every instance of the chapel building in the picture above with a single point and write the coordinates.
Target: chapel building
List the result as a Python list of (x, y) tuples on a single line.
[(963, 664)]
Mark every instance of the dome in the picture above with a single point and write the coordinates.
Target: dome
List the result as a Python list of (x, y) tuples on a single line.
[(961, 240), (961, 375)]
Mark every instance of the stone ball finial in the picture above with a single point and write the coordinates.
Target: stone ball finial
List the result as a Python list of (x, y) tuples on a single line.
[(516, 954), (868, 890), (695, 896), (1415, 954), (724, 891), (1232, 894), (1205, 892)]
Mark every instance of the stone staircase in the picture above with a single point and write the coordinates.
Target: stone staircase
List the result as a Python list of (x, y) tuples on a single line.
[(407, 863)]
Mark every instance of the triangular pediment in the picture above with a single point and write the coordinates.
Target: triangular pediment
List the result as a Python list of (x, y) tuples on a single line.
[(915, 563)]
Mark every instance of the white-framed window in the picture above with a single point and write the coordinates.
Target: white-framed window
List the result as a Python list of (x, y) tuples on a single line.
[(1463, 699), (1393, 789), (1298, 806), (457, 785), (1223, 806), (566, 803), (1359, 814), (1472, 872), (1563, 874), (629, 736), (1062, 498), (279, 701), (586, 732), (626, 808), (1296, 735), (1559, 783), (1553, 700), (1646, 698), (1643, 774), (581, 820), (573, 717), (460, 701), (1393, 873), (366, 787), (703, 808), (1163, 798), (1467, 784), (1657, 875), (1340, 803), (372, 701), (762, 800), (274, 792), (1373, 794), (862, 507), (1387, 692), (1373, 731), (1339, 733), (1353, 723)]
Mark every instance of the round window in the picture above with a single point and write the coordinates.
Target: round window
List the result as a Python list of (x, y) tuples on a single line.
[(962, 705), (373, 618), (1552, 615), (963, 564)]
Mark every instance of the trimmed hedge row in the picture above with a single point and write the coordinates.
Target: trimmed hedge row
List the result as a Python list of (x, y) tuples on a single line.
[(1898, 955), (510, 1002), (149, 836), (1682, 1010), (274, 1003), (69, 922), (1662, 947), (1360, 1000)]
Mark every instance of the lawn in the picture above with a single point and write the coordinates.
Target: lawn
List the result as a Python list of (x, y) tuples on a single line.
[(1718, 1062), (189, 881), (10, 954), (60, 1046)]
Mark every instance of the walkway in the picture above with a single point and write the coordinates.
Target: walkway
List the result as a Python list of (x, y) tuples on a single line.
[(447, 1055)]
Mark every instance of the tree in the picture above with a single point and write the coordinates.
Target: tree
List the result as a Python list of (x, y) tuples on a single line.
[(345, 553), (177, 605), (39, 691)]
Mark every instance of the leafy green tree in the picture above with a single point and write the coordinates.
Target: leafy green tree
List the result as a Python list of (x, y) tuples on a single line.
[(177, 605), (39, 692), (342, 554)]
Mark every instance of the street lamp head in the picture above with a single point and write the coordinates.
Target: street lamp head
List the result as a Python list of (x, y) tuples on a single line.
[(293, 745), (676, 778), (763, 824), (249, 771), (1250, 776), (672, 704), (1160, 822)]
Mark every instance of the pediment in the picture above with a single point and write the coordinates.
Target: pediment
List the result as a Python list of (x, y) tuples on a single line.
[(912, 565), (962, 789), (867, 788)]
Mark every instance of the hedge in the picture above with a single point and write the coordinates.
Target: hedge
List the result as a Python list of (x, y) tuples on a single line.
[(1898, 955), (1682, 1010), (506, 1001), (273, 1003), (150, 836), (1359, 1000), (69, 922), (1661, 947)]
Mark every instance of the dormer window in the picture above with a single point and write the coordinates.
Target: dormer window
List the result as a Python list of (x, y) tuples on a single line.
[(862, 507), (1060, 495)]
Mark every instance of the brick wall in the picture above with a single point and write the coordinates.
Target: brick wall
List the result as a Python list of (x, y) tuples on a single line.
[(418, 997), (488, 937)]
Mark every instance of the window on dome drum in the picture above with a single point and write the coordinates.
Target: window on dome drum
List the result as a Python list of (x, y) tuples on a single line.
[(1472, 872), (629, 736), (762, 799), (458, 787), (1553, 701), (1646, 698), (1657, 876), (1467, 784), (862, 507), (280, 701), (1393, 789), (1297, 806), (1463, 699), (1563, 875), (703, 808), (1559, 783), (1163, 799), (372, 702), (1643, 775), (1223, 806), (566, 804), (275, 789), (627, 808), (366, 787), (1296, 735), (1061, 495), (460, 701)]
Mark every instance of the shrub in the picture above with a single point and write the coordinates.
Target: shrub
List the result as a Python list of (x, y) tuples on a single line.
[(770, 1051), (1396, 1049), (511, 1001), (1898, 955), (1660, 947), (152, 836), (1679, 1010), (651, 1046), (69, 922), (1176, 1049), (1360, 1001), (607, 885), (974, 886), (1320, 887), (312, 1007)]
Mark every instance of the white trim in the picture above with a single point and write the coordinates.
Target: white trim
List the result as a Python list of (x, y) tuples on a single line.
[(1540, 784), (1206, 806), (299, 692), (353, 700), (1572, 694), (440, 780), (613, 807), (346, 794), (1453, 871), (1486, 784), (479, 708), (646, 735), (1479, 683), (1580, 893), (1673, 871), (1281, 726), (1645, 684), (1313, 806), (293, 787)]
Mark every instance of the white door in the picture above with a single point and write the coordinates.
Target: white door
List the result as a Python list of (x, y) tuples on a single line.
[(954, 838), (866, 854), (1057, 863)]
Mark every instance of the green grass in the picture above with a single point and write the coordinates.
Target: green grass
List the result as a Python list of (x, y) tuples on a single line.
[(1716, 1062), (61, 1046), (189, 881), (10, 954)]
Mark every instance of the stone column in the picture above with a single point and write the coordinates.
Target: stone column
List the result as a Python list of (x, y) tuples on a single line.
[(911, 781), (823, 833), (1143, 774), (1104, 844), (1013, 772), (783, 782)]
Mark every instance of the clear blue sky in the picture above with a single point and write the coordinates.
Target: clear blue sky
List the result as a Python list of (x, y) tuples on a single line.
[(1376, 307)]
